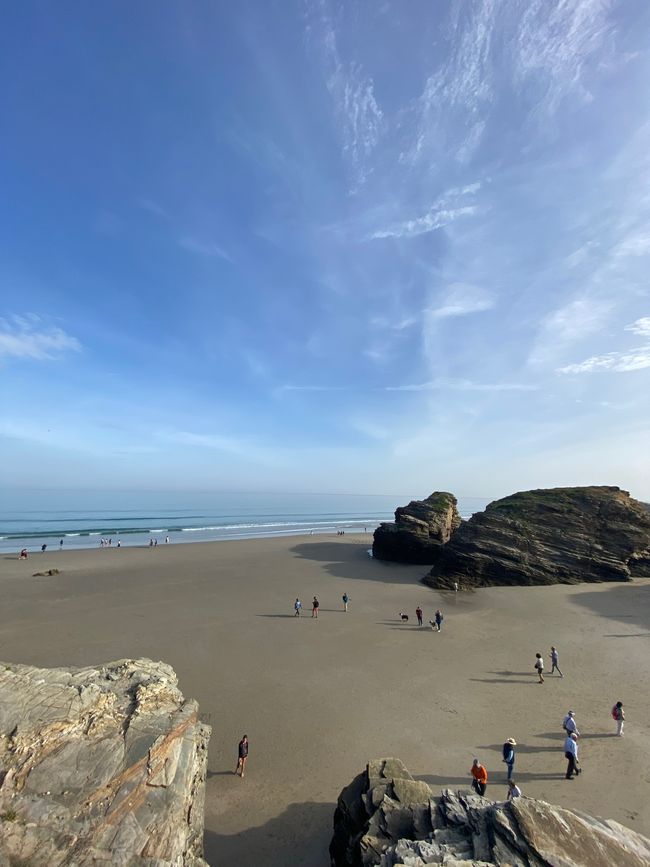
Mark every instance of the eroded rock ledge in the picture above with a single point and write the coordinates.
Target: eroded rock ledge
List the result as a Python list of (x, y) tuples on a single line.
[(385, 817), (549, 536), (100, 765), (418, 531)]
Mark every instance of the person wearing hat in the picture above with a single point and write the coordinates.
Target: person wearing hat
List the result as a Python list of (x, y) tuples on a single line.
[(509, 755), (569, 724)]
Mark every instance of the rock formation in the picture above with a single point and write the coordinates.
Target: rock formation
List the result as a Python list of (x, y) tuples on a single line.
[(418, 531), (100, 765), (385, 817), (551, 536)]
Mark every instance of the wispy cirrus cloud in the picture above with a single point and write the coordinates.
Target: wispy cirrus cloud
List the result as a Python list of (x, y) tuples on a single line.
[(618, 362), (29, 337), (461, 299), (446, 209), (204, 248), (351, 89), (640, 326), (621, 361), (461, 385)]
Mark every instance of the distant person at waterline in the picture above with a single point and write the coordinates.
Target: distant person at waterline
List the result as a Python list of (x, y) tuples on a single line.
[(166, 540), (297, 605), (619, 715), (43, 548), (346, 601), (438, 619), (555, 662), (539, 666), (314, 608), (419, 613), (61, 543)]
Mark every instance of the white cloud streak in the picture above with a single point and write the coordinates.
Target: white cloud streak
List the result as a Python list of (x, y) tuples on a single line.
[(201, 248), (461, 299), (618, 362), (462, 385), (27, 337), (445, 210), (640, 326)]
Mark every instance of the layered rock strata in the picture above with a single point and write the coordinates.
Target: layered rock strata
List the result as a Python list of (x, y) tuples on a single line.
[(551, 536), (100, 765), (385, 817), (418, 531)]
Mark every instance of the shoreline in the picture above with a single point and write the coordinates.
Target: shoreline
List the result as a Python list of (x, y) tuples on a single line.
[(319, 698)]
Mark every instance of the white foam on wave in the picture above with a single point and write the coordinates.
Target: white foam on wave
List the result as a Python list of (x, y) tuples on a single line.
[(306, 524), (72, 534), (163, 530)]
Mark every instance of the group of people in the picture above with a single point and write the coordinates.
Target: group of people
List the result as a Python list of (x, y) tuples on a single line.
[(480, 775), (555, 664), (435, 624), (315, 605)]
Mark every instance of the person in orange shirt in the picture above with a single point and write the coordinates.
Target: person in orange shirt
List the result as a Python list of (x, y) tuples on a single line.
[(480, 774)]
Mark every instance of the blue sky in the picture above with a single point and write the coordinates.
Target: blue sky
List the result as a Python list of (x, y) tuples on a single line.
[(325, 246)]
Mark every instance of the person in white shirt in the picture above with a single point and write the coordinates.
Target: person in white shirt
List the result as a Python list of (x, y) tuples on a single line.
[(513, 790), (569, 724), (571, 755)]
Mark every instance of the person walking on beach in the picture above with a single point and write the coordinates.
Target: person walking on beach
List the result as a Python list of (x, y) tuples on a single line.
[(455, 586), (513, 790), (438, 618), (555, 662), (166, 540), (569, 724), (480, 777), (297, 605), (61, 544), (242, 756), (509, 755), (314, 608), (23, 554), (619, 715), (346, 600), (571, 755), (418, 614), (539, 666), (43, 547)]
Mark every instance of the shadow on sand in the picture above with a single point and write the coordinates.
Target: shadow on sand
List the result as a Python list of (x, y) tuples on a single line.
[(627, 603), (350, 560), (300, 837)]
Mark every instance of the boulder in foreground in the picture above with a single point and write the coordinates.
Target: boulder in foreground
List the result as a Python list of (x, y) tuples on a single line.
[(385, 817), (100, 765), (549, 536), (418, 531)]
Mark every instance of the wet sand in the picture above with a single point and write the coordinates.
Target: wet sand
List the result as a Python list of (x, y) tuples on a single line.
[(320, 698)]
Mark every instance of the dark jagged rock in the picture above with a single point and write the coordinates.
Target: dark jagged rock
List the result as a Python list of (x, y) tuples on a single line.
[(385, 817), (101, 765), (549, 536), (418, 531)]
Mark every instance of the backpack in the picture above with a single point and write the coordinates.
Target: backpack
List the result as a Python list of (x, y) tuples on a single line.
[(615, 713)]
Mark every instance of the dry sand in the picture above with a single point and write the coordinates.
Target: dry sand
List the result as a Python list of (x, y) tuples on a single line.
[(320, 698)]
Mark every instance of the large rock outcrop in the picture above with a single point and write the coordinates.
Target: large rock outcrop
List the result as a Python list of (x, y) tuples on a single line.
[(100, 765), (550, 536), (418, 531), (385, 817)]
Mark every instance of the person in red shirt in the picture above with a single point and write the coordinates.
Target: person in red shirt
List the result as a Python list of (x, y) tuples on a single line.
[(480, 775)]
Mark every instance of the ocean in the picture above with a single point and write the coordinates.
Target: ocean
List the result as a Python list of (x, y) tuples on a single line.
[(30, 519)]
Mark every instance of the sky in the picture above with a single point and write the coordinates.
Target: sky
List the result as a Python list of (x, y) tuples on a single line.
[(355, 246)]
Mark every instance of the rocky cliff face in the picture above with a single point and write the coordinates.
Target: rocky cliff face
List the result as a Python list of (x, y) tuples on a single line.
[(551, 536), (385, 817), (100, 765), (418, 531)]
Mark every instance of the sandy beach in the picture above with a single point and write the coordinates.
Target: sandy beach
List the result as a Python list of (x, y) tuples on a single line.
[(319, 698)]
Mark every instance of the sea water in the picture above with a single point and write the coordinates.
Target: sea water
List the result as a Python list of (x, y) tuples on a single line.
[(30, 519)]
